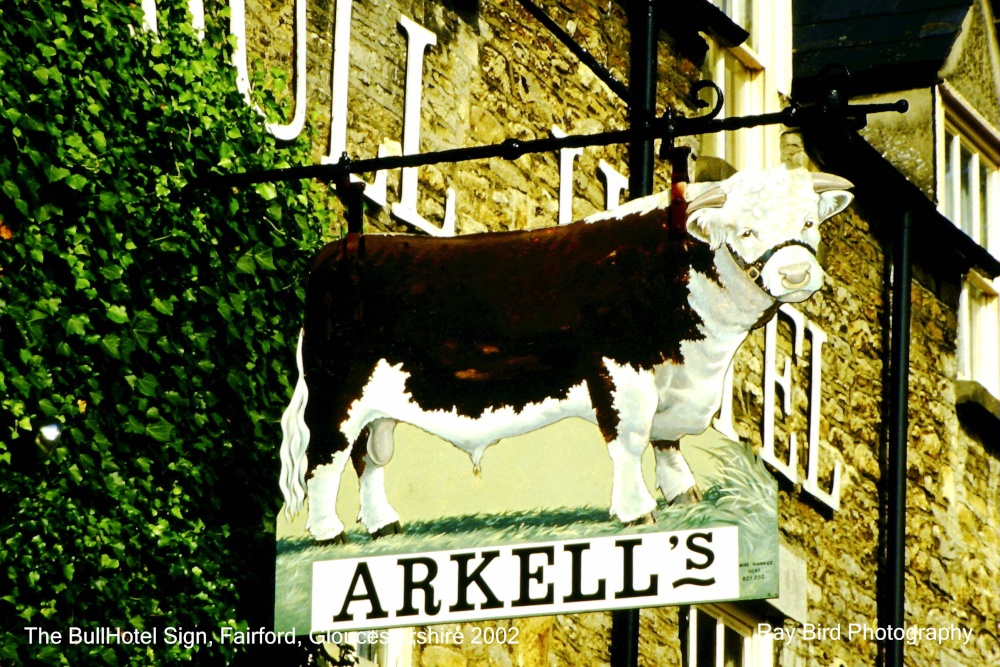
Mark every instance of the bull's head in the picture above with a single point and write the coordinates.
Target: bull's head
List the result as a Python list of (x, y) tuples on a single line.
[(769, 221)]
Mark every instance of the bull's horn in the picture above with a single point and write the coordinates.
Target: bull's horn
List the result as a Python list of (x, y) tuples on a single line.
[(823, 182), (714, 198)]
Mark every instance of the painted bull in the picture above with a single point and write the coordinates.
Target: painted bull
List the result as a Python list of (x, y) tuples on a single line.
[(482, 337)]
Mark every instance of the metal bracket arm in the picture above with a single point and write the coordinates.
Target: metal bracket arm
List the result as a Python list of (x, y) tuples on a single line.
[(667, 128)]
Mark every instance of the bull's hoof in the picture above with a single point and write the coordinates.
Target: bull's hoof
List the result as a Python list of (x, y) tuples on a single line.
[(335, 541), (692, 495), (388, 529), (644, 520)]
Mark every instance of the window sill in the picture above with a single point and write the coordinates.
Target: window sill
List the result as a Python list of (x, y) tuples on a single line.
[(980, 409)]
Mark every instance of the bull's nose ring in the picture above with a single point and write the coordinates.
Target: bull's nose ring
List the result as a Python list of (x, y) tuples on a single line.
[(788, 284)]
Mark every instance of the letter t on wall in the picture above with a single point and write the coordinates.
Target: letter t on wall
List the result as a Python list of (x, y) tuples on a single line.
[(566, 158), (615, 184)]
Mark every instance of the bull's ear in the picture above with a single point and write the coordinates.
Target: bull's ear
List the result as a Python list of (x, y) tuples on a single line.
[(704, 215), (833, 202), (707, 225)]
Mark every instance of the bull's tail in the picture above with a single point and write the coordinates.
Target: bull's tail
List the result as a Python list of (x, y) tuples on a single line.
[(294, 441)]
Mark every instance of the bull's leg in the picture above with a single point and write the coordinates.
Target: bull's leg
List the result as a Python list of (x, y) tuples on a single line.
[(322, 488), (329, 453), (673, 475), (376, 514), (624, 401)]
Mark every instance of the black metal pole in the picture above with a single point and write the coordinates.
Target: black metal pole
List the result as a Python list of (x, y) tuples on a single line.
[(642, 88), (899, 373), (582, 54)]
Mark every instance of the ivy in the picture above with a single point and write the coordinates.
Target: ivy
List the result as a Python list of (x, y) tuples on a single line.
[(152, 321)]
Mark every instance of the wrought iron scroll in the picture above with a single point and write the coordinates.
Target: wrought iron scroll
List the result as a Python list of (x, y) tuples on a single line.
[(834, 110)]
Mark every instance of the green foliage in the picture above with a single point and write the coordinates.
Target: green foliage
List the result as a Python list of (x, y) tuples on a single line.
[(154, 322)]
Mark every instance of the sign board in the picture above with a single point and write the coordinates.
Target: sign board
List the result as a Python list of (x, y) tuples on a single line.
[(615, 326), (530, 539)]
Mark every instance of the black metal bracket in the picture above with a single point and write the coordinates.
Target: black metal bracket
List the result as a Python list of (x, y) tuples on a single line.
[(585, 57), (834, 110)]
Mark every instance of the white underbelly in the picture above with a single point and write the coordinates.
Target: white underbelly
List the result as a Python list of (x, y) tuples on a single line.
[(385, 396), (689, 394)]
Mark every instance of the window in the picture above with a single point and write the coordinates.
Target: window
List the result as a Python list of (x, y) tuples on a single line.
[(979, 333), (720, 636), (384, 648), (753, 77), (969, 195), (741, 12), (970, 188)]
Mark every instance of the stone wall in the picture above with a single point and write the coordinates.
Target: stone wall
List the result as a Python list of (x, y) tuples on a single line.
[(953, 518), (496, 74), (971, 69), (907, 139)]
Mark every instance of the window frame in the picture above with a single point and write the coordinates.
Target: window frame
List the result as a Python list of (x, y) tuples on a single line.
[(396, 652), (763, 70), (758, 648), (969, 130), (978, 360), (959, 126)]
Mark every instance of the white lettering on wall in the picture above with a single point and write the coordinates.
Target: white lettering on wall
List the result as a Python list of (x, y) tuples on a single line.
[(195, 7), (341, 70), (615, 183), (418, 38), (811, 484), (149, 16), (375, 191), (238, 27), (772, 382), (566, 158)]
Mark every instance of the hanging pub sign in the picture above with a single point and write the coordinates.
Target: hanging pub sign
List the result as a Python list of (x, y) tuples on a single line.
[(495, 409)]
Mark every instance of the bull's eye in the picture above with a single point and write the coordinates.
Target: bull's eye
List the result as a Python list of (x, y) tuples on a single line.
[(810, 224), (746, 233)]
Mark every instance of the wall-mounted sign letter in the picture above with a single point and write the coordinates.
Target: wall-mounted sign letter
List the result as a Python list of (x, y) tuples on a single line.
[(614, 182), (811, 485), (772, 382), (566, 158), (238, 27), (195, 7), (418, 38)]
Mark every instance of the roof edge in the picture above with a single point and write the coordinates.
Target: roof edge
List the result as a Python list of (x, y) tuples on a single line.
[(886, 192)]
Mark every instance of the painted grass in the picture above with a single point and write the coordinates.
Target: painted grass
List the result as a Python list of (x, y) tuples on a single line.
[(740, 492)]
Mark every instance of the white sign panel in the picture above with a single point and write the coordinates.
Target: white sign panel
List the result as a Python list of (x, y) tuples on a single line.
[(615, 572)]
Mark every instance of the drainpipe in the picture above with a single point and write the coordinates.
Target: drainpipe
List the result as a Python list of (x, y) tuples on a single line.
[(642, 87), (899, 371)]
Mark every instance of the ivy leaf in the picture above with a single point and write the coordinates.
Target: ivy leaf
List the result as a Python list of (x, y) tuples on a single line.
[(161, 431), (264, 258), (117, 314), (76, 181), (266, 190), (56, 174), (147, 385), (145, 327), (245, 263), (107, 201), (11, 190)]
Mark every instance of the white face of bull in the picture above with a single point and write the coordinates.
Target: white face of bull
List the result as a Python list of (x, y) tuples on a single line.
[(770, 223)]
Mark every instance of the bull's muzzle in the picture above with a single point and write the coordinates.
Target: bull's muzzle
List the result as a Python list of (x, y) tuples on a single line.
[(795, 276)]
